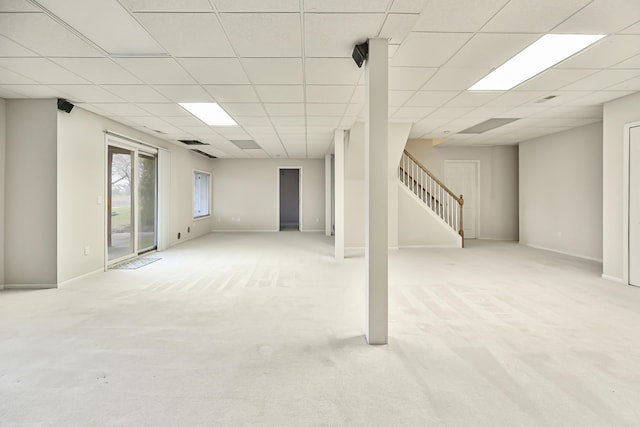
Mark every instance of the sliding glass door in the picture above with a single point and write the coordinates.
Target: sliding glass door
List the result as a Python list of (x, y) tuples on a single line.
[(131, 200)]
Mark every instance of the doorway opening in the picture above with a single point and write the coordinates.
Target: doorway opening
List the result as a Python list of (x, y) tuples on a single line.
[(289, 180), (631, 205), (463, 177)]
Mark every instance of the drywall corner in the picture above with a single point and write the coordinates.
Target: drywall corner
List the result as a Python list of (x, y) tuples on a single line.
[(3, 126)]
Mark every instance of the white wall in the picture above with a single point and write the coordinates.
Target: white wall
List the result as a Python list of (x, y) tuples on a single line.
[(561, 192), (81, 181), (30, 193), (2, 179), (616, 114), (246, 194), (498, 182)]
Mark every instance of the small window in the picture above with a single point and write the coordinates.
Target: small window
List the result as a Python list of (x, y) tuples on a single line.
[(201, 192)]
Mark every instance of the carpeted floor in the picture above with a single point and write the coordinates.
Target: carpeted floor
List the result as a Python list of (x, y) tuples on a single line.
[(267, 329)]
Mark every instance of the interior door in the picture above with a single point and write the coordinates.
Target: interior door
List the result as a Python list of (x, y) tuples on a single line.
[(120, 202), (634, 206), (289, 199), (147, 202), (462, 178)]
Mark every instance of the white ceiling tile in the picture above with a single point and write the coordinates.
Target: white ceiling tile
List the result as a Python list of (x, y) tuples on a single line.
[(328, 93), (332, 71), (41, 70), (490, 50), (459, 15), (354, 110), (280, 93), (430, 98), (121, 109), (252, 120), (188, 34), (136, 93), (167, 5), (9, 77), (202, 131), (261, 131), (334, 35), (17, 6), (522, 111), (399, 97), (97, 70), (264, 34), (86, 93), (30, 91), (232, 93), (164, 110), (602, 17), (215, 70), (408, 6), (472, 99), (553, 79), (331, 121), (347, 122), (412, 113), (184, 93), (8, 92), (359, 95), (599, 98), (532, 16), (284, 71), (632, 29), (631, 84), (429, 49), (326, 109), (11, 48), (607, 52), (285, 109), (243, 109), (408, 78), (232, 132), (41, 34), (397, 26), (449, 112), (93, 108), (257, 5), (573, 112), (602, 80), (455, 78), (156, 70), (283, 121), (344, 6), (629, 63), (155, 124), (514, 99)]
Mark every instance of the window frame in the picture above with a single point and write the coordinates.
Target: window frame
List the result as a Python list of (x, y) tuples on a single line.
[(196, 173)]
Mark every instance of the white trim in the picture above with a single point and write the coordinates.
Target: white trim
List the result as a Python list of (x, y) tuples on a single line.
[(300, 196), (127, 140), (626, 148), (245, 231), (312, 230), (30, 286), (83, 276), (193, 190), (613, 279), (429, 247), (598, 260), (477, 201)]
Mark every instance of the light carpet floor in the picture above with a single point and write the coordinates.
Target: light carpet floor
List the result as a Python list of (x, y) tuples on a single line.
[(267, 329)]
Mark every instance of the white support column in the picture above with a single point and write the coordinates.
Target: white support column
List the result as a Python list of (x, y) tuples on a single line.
[(327, 194), (376, 190), (339, 151)]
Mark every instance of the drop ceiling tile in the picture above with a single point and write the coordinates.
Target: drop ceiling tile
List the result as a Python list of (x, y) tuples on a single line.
[(602, 80), (31, 91), (202, 131), (252, 120), (93, 109), (284, 121), (473, 99), (599, 98), (631, 63), (457, 16), (490, 50), (86, 93), (136, 93), (602, 17), (121, 109), (397, 26), (261, 131), (354, 110), (41, 70), (607, 52), (41, 34), (429, 49), (449, 112), (399, 97), (553, 79), (430, 98), (155, 124), (345, 6), (532, 16), (188, 34), (276, 109), (215, 70), (181, 121), (631, 84), (266, 71), (334, 35), (184, 93), (329, 93), (97, 70), (243, 109), (11, 48), (573, 112), (156, 70), (17, 6), (409, 78), (412, 113), (359, 95), (408, 6), (454, 78), (331, 71), (167, 5), (514, 99), (10, 78), (280, 93), (632, 29), (266, 6), (164, 110), (326, 109), (7, 92), (232, 132), (232, 93), (264, 34)]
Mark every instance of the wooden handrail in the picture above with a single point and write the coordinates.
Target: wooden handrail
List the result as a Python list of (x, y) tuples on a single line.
[(424, 168)]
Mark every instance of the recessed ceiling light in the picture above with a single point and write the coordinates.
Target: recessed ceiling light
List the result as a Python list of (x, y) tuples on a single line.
[(544, 53), (209, 112)]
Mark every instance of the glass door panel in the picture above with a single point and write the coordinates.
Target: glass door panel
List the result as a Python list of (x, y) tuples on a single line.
[(147, 205), (120, 222)]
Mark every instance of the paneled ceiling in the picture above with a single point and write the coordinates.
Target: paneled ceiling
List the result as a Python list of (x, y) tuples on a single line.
[(283, 69)]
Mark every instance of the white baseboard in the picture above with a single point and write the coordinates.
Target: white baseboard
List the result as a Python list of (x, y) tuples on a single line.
[(29, 286), (561, 252), (430, 247), (311, 231), (246, 231), (66, 282), (613, 279)]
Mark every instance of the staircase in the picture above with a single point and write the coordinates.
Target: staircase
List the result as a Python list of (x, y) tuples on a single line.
[(432, 192)]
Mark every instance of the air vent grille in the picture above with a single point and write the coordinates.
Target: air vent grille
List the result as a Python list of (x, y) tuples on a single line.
[(202, 153), (487, 125), (246, 144), (192, 142)]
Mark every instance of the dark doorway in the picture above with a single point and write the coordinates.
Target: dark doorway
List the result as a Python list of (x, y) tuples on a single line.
[(289, 199)]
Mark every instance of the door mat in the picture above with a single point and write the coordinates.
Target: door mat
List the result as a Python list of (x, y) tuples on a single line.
[(136, 263)]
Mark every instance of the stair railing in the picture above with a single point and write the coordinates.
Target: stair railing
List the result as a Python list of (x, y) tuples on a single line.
[(417, 178)]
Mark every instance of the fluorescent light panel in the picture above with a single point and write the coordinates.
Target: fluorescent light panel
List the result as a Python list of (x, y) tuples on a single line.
[(209, 112), (544, 53)]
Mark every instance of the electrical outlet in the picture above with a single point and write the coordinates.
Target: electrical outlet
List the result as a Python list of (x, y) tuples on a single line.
[(87, 250), (188, 229), (179, 236)]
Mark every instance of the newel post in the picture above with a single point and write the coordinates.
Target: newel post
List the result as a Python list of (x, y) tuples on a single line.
[(461, 202)]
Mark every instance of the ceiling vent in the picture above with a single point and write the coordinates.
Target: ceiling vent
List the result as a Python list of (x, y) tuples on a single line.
[(246, 144), (487, 125), (202, 153), (546, 98), (192, 142)]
